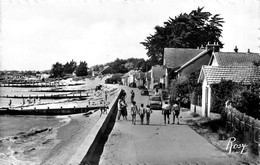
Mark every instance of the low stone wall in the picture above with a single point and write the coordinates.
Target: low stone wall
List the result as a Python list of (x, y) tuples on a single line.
[(196, 109), (87, 148)]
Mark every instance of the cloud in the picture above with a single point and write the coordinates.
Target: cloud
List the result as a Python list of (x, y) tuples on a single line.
[(36, 34)]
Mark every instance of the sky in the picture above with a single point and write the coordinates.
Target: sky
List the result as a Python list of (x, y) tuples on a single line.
[(38, 33)]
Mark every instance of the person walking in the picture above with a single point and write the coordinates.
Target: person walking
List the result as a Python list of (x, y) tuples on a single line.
[(23, 103), (105, 96), (133, 112), (148, 112), (141, 113), (10, 103), (119, 107), (175, 112), (132, 95), (124, 109), (166, 112), (123, 94), (156, 91)]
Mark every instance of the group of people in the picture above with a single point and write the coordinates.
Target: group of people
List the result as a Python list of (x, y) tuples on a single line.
[(29, 101), (143, 111), (167, 110)]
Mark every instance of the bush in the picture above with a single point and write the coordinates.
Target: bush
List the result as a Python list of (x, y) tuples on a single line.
[(247, 102), (180, 91), (186, 89), (222, 92), (116, 78), (244, 100)]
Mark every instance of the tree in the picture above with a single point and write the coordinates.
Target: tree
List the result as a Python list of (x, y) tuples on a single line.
[(97, 68), (70, 67), (57, 70), (82, 69), (184, 31), (118, 66)]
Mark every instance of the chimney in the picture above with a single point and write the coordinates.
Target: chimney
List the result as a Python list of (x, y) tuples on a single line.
[(215, 47), (248, 51), (236, 49)]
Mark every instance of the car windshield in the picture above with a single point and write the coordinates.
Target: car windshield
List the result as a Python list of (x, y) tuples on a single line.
[(155, 99)]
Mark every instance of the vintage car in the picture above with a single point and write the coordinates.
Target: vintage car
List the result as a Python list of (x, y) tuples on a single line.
[(155, 102)]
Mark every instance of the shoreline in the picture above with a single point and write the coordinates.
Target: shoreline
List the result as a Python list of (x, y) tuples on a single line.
[(64, 139)]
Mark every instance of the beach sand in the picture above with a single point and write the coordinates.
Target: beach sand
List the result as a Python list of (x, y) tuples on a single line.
[(71, 136)]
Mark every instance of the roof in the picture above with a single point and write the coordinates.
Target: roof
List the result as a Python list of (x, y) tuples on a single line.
[(158, 72), (125, 75), (137, 73), (233, 58), (140, 75), (107, 69), (243, 74), (203, 53), (176, 57)]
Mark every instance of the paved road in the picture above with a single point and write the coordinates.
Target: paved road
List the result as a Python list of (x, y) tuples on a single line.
[(158, 143)]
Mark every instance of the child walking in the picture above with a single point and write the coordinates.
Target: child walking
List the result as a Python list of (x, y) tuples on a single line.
[(141, 113), (176, 112), (148, 114), (133, 112)]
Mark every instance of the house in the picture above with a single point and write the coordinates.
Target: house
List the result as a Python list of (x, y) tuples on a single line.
[(133, 76), (223, 59), (174, 58), (95, 73), (44, 76), (124, 79), (157, 72), (140, 78), (148, 80), (107, 70), (184, 61), (233, 59), (194, 64), (210, 75)]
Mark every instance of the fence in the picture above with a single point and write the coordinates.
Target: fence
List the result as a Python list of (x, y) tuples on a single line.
[(244, 125)]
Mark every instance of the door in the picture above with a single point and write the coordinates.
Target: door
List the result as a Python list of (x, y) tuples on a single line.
[(206, 101)]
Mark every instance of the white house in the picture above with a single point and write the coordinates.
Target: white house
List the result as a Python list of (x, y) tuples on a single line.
[(210, 75), (217, 69), (157, 72)]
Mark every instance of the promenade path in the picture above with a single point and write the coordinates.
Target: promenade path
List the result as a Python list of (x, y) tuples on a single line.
[(158, 143)]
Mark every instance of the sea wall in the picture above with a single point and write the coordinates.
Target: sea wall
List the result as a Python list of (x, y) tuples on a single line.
[(49, 111), (87, 148)]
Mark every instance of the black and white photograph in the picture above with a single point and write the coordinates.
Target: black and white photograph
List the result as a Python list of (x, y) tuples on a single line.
[(129, 82)]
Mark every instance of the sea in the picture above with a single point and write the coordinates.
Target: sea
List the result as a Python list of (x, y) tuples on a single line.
[(27, 139), (20, 135)]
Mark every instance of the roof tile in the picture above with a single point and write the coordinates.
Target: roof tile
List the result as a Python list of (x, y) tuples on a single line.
[(238, 59), (243, 74)]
